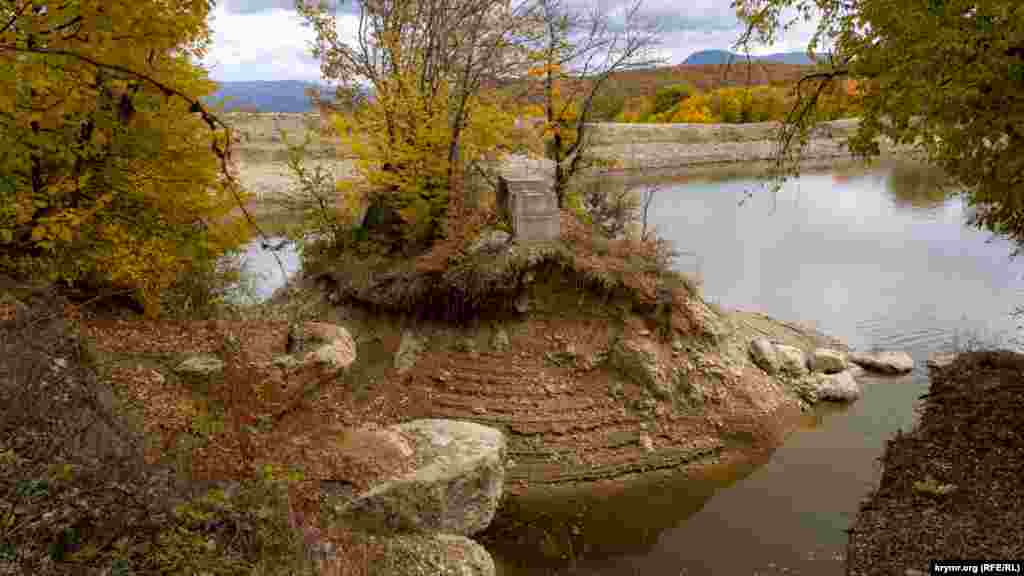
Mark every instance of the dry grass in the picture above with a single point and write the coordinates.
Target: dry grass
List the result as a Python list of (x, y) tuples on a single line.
[(112, 467), (450, 283)]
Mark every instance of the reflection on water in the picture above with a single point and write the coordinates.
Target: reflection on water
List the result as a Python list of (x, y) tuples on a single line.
[(917, 186), (881, 258), (595, 532), (263, 274)]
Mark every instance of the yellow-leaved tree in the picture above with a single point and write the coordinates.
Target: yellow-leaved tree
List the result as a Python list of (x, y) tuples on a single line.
[(431, 67), (113, 174)]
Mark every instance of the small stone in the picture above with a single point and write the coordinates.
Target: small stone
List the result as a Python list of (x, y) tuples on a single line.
[(792, 359), (500, 340), (941, 359), (646, 443), (677, 345), (286, 361), (479, 410), (841, 387), (887, 362), (201, 366), (764, 355), (409, 350), (491, 241), (828, 361)]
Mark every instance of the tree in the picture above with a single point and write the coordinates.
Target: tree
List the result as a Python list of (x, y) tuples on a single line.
[(946, 76), (112, 171), (574, 56), (428, 63)]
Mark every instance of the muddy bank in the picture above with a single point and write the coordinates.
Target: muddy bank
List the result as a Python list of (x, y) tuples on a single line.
[(951, 488)]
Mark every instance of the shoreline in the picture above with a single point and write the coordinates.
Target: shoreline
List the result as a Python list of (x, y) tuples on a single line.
[(662, 149), (951, 487)]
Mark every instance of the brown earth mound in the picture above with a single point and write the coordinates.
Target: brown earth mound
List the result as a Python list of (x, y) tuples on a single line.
[(951, 488)]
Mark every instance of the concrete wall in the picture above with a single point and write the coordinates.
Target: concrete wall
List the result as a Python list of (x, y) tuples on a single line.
[(611, 133), (532, 207)]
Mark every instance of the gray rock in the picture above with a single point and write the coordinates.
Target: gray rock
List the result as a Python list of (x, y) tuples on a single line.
[(491, 241), (791, 359), (941, 359), (840, 387), (828, 361), (889, 362), (409, 350), (337, 355), (454, 488), (201, 366), (500, 340), (764, 355), (432, 554)]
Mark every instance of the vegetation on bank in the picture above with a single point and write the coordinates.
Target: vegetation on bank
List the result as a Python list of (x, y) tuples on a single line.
[(738, 104)]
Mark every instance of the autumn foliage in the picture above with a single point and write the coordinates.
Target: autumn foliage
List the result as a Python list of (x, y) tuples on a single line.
[(107, 176), (401, 140), (741, 104)]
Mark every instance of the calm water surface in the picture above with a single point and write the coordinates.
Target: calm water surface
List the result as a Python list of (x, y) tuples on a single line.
[(880, 258)]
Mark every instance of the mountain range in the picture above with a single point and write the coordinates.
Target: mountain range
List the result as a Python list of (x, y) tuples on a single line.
[(268, 95), (725, 57), (290, 95)]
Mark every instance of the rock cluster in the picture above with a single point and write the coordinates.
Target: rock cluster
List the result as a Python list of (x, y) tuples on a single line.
[(826, 373), (821, 375)]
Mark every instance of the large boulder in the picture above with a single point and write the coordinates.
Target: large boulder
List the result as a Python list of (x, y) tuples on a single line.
[(889, 362), (791, 359), (840, 387), (763, 352), (828, 361), (454, 487), (432, 555)]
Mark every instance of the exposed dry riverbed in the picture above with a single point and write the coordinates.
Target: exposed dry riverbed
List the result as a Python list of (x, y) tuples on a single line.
[(658, 148)]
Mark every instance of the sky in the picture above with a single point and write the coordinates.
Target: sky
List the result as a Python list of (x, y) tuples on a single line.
[(266, 39)]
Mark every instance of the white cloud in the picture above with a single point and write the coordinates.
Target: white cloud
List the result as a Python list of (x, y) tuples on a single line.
[(265, 40), (266, 45)]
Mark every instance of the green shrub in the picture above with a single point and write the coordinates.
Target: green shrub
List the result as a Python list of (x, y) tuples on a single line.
[(669, 96)]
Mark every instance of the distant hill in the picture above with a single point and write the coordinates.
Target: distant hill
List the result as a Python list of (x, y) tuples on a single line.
[(724, 57), (268, 96)]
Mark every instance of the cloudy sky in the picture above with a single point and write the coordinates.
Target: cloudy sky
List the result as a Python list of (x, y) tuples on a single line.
[(265, 39)]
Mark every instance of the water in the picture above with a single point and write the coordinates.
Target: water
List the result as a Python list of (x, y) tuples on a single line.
[(263, 274), (880, 258)]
